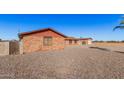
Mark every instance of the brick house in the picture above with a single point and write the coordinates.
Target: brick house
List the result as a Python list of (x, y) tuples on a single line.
[(47, 39), (43, 39)]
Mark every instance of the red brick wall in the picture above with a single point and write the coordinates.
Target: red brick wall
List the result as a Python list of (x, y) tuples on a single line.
[(34, 42)]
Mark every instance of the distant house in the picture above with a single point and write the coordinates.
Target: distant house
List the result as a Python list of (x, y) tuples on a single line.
[(48, 39), (70, 41), (85, 41)]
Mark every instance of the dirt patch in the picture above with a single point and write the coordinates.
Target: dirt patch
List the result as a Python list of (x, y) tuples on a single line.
[(104, 49)]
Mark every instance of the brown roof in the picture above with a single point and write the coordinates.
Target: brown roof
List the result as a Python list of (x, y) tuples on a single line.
[(40, 30), (70, 38), (85, 38)]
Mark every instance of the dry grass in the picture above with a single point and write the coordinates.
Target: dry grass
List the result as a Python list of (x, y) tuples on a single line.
[(109, 44), (72, 62)]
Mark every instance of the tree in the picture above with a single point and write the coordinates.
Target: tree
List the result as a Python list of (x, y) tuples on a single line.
[(121, 25)]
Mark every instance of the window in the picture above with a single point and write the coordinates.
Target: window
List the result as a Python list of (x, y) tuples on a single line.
[(70, 41), (75, 41), (47, 41)]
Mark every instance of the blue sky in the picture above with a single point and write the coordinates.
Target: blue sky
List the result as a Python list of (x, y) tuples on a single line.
[(97, 26)]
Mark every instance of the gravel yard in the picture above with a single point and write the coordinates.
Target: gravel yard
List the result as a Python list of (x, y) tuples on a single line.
[(72, 62), (113, 48)]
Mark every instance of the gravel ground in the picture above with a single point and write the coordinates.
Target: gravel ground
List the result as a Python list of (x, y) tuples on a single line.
[(113, 48), (71, 63)]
